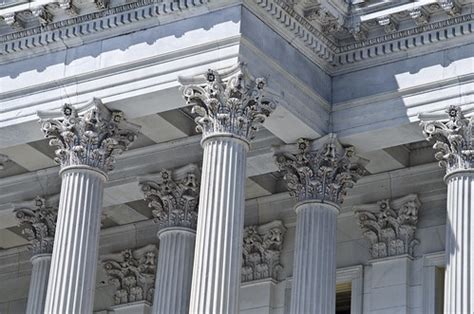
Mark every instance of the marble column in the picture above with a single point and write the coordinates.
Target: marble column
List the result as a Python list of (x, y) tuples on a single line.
[(452, 133), (88, 139), (318, 175), (37, 219), (230, 105), (174, 197)]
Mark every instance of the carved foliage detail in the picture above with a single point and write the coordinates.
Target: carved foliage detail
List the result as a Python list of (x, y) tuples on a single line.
[(174, 197), (322, 173), (390, 225), (38, 223), (261, 251), (454, 139), (132, 273), (228, 102), (92, 139)]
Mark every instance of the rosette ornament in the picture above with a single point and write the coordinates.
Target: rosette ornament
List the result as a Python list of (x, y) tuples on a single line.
[(90, 136), (174, 197), (453, 134), (38, 223), (228, 103), (320, 170)]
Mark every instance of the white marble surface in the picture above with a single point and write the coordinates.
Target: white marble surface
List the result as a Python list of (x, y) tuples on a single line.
[(218, 252), (75, 253), (314, 268), (174, 271), (38, 283)]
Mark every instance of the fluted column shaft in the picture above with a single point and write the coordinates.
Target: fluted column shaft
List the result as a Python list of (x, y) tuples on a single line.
[(314, 270), (459, 281), (38, 283), (74, 261), (218, 252), (174, 272)]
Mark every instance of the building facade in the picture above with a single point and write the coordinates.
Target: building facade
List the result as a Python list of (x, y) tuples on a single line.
[(236, 156)]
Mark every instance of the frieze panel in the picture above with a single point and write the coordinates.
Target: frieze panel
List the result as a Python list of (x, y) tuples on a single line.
[(261, 252), (390, 225)]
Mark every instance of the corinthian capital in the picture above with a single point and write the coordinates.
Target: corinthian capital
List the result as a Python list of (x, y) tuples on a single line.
[(228, 103), (89, 136), (452, 133), (321, 170), (261, 251), (390, 225), (132, 273), (38, 223), (174, 196)]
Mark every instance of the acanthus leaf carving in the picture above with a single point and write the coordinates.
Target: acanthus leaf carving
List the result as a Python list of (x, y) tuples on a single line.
[(453, 134), (93, 138), (320, 170), (174, 196), (228, 102), (38, 222), (261, 251), (132, 273), (390, 225)]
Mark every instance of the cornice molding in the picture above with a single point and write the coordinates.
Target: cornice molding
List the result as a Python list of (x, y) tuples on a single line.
[(313, 43), (96, 22)]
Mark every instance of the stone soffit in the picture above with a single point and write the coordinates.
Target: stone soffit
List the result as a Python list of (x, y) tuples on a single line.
[(328, 48)]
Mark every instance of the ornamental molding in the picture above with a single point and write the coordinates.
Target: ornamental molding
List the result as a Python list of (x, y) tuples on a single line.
[(339, 56), (321, 170), (261, 251), (71, 24), (315, 40), (173, 196), (228, 103), (390, 225), (89, 136), (37, 219), (132, 273), (452, 133)]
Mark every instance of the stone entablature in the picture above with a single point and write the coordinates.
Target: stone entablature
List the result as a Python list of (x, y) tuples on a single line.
[(173, 196), (132, 273), (228, 103), (452, 133), (390, 225), (261, 252), (92, 138), (38, 222), (321, 170), (332, 38)]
